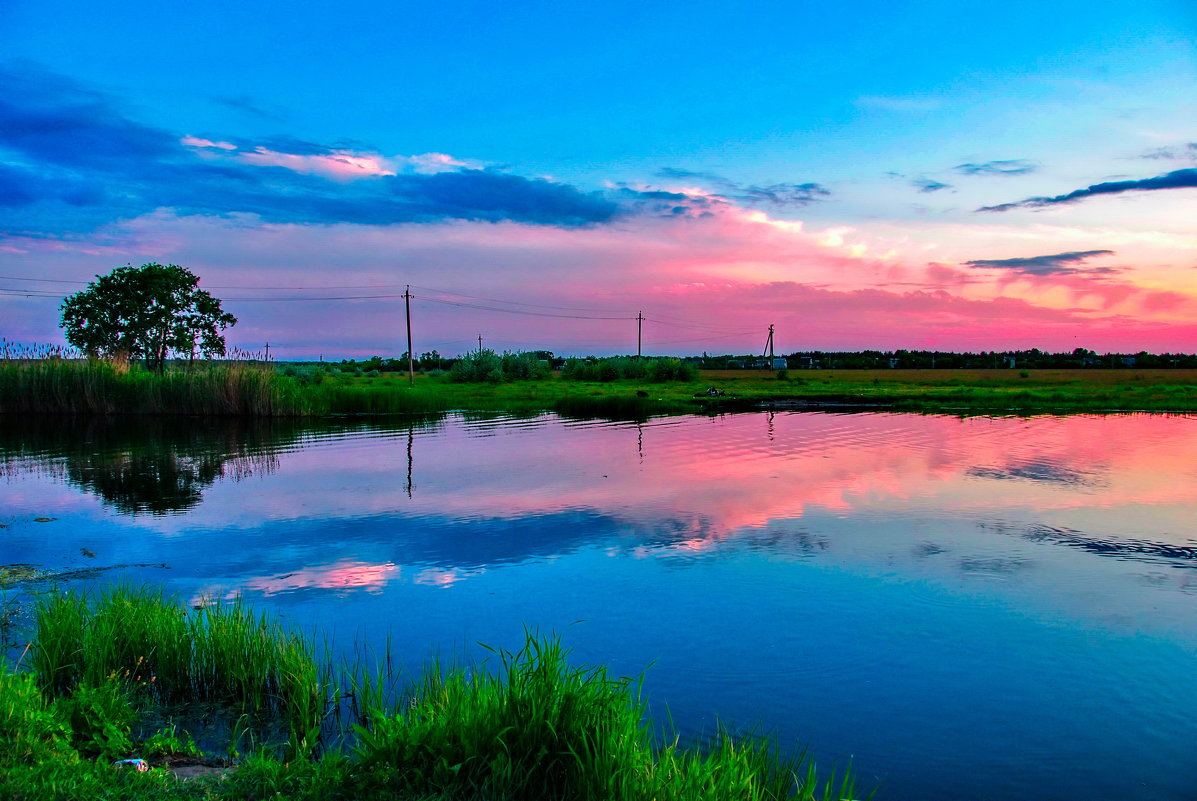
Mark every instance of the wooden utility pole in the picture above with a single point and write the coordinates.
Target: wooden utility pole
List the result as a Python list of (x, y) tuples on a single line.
[(267, 351), (411, 366), (769, 346), (639, 331), (480, 344)]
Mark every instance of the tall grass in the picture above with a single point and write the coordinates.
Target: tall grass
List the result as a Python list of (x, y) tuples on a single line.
[(99, 387), (96, 387), (534, 728), (220, 653), (540, 728)]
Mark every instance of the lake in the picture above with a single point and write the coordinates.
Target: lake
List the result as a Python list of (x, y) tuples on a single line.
[(974, 608)]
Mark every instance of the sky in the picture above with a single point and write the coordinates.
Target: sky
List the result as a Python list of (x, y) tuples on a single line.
[(926, 174)]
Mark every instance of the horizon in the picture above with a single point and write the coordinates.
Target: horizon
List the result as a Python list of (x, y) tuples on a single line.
[(874, 178)]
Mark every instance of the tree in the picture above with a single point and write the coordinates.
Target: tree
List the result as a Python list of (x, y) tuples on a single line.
[(145, 312)]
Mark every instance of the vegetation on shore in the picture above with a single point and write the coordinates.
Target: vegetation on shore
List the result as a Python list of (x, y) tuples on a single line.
[(58, 386), (122, 675)]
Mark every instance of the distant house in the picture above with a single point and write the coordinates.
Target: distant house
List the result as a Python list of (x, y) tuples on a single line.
[(735, 364), (808, 362), (1010, 361), (893, 362), (780, 363)]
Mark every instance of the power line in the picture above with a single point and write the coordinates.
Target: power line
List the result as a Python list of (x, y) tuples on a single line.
[(463, 305), (514, 302)]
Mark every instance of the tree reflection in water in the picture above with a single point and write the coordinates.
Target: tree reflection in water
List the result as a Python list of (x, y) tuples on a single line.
[(155, 465)]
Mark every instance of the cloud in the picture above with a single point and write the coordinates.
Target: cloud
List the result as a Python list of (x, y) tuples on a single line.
[(52, 120), (781, 194), (929, 184), (1186, 152), (244, 104), (74, 161), (1177, 179), (1052, 264), (1000, 167)]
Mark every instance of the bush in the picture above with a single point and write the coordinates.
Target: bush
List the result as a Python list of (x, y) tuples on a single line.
[(486, 366), (657, 370), (616, 367)]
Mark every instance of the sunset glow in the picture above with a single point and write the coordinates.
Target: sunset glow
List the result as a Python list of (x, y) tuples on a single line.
[(943, 200)]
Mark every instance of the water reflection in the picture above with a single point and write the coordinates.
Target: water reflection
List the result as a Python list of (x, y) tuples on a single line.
[(147, 465), (918, 591), (159, 465)]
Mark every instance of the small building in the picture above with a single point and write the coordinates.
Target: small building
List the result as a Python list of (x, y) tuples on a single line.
[(779, 363)]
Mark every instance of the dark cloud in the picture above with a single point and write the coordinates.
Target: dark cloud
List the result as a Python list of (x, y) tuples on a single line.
[(71, 160), (1000, 167), (244, 104), (783, 194), (929, 184), (1053, 264), (665, 203), (1177, 179), (50, 120), (1187, 152), (673, 172)]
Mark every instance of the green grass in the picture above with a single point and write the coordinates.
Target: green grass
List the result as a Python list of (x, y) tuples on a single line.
[(221, 653), (532, 726), (55, 386)]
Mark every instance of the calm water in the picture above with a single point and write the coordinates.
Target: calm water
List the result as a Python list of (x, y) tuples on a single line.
[(967, 609)]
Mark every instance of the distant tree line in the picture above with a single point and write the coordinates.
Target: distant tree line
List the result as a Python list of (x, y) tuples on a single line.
[(1078, 358), (531, 364)]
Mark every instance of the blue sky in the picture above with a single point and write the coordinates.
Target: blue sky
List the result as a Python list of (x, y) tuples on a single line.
[(882, 128)]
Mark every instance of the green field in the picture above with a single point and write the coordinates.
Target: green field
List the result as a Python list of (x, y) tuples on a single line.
[(83, 388)]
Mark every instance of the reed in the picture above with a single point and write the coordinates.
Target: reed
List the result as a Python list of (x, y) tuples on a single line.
[(540, 728), (536, 727), (220, 653), (95, 387)]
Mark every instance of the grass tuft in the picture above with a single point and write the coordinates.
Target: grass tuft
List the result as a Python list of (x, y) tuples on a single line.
[(536, 728)]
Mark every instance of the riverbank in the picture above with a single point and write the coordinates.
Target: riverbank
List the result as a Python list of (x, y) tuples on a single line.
[(245, 389), (100, 705)]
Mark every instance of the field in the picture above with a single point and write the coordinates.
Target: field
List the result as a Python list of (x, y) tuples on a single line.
[(965, 391), (298, 390)]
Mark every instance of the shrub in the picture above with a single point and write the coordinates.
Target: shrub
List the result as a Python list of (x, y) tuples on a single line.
[(617, 367), (486, 366)]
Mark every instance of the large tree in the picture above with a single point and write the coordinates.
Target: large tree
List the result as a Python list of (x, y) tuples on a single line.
[(145, 312)]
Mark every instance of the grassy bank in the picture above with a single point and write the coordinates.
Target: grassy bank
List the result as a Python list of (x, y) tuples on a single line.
[(92, 388), (102, 673)]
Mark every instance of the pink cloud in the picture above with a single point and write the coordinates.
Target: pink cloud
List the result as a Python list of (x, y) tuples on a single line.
[(339, 166), (712, 283), (192, 141)]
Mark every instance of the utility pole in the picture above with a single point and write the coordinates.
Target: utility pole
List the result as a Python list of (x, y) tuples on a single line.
[(639, 330), (267, 352), (411, 368), (769, 346), (480, 344)]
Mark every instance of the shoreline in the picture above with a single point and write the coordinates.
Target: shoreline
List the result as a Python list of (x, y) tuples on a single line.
[(251, 390)]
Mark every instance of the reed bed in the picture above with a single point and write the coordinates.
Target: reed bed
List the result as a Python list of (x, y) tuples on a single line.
[(250, 389), (220, 653), (535, 727), (95, 387)]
